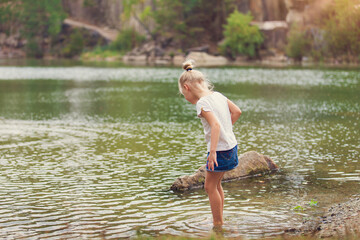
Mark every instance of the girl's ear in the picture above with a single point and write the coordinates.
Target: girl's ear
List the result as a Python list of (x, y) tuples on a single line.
[(186, 87)]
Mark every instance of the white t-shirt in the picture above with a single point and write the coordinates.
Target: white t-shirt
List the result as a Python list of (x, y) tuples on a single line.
[(217, 103)]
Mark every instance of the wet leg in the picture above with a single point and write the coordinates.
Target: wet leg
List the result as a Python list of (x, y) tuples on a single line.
[(212, 180), (221, 192)]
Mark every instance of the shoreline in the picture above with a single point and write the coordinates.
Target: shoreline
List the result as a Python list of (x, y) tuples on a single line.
[(118, 63), (340, 220)]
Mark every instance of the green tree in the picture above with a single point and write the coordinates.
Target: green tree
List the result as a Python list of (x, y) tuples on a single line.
[(298, 43), (192, 22), (144, 17), (342, 26), (41, 20), (75, 46), (171, 19), (127, 40), (211, 17), (241, 38), (9, 16), (186, 23), (38, 21)]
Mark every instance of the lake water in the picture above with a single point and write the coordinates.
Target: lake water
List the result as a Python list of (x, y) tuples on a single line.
[(91, 152)]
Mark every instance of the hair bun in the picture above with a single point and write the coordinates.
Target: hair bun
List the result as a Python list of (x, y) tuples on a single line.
[(188, 64)]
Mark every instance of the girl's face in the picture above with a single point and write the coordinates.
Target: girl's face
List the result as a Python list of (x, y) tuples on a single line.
[(188, 94)]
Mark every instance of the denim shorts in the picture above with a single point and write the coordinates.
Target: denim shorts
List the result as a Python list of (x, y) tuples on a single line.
[(226, 160)]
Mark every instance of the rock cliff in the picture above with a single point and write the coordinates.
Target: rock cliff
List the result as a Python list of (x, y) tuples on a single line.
[(106, 13), (264, 10), (105, 18)]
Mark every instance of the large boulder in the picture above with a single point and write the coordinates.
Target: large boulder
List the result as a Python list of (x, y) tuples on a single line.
[(275, 33), (204, 59), (250, 164)]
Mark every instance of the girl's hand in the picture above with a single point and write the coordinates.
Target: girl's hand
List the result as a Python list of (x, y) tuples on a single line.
[(212, 160)]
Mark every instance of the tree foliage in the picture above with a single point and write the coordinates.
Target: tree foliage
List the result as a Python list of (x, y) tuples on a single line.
[(41, 18), (240, 36), (37, 20), (174, 24), (342, 26), (75, 45), (298, 43), (131, 8), (186, 23), (336, 34), (9, 16), (192, 23), (127, 40), (189, 23)]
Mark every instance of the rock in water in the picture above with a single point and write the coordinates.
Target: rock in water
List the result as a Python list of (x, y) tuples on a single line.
[(250, 164)]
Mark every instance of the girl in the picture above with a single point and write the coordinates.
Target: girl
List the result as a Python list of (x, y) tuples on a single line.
[(217, 115)]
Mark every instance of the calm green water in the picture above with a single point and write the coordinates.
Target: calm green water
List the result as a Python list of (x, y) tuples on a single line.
[(90, 153)]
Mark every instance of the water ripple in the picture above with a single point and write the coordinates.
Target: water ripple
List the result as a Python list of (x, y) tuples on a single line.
[(93, 160), (83, 189)]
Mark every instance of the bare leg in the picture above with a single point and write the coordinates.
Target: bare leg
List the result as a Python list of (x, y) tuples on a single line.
[(212, 180), (221, 192)]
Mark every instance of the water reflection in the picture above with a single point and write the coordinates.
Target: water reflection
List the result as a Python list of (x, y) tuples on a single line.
[(91, 153)]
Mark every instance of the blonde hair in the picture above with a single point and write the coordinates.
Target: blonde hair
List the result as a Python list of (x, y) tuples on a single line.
[(193, 76)]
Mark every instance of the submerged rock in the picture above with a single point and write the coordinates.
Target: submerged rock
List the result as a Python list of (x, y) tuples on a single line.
[(250, 164)]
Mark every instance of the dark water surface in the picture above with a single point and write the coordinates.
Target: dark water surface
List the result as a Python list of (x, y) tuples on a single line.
[(91, 152)]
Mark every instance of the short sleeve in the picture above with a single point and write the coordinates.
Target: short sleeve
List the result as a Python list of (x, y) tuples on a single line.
[(203, 105)]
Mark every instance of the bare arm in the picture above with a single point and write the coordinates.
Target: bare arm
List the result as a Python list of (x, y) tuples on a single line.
[(234, 111), (214, 139)]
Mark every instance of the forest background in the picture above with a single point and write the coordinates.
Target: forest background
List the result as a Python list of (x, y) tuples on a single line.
[(323, 31)]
